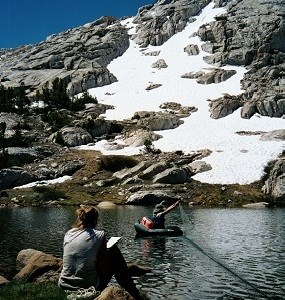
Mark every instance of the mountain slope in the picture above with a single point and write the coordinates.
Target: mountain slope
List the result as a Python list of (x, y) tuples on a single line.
[(235, 158)]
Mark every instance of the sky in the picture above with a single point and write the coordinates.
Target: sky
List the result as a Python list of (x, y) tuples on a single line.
[(25, 22)]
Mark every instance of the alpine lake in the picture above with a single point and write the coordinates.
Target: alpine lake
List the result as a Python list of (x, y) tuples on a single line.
[(236, 253)]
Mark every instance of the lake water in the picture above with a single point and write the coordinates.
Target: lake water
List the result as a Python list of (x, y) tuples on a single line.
[(225, 253)]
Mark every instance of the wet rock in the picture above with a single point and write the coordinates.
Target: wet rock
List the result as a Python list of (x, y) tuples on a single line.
[(256, 205), (106, 204)]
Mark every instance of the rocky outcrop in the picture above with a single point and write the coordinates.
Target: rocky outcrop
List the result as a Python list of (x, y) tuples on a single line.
[(160, 21), (248, 36), (138, 137), (10, 178), (212, 76), (179, 110), (275, 183), (275, 135), (149, 198), (79, 56), (123, 174), (153, 86), (192, 49), (224, 106), (156, 121), (11, 120), (72, 136), (160, 64)]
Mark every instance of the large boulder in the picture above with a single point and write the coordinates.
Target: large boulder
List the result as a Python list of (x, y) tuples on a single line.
[(114, 293), (224, 106), (20, 155), (72, 136), (149, 198), (138, 137), (172, 176), (154, 169), (38, 264), (211, 76), (129, 172), (156, 121), (192, 49), (10, 178)]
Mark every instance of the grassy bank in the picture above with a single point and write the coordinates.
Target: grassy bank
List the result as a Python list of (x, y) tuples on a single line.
[(31, 291)]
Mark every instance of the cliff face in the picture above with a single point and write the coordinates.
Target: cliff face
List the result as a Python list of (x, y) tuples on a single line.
[(79, 56), (159, 22), (252, 34)]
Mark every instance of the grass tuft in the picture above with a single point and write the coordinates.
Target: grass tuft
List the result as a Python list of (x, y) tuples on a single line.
[(31, 291)]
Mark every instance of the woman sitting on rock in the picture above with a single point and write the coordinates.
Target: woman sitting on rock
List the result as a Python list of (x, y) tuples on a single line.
[(86, 260)]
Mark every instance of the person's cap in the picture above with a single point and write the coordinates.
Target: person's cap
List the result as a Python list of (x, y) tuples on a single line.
[(158, 208), (164, 203)]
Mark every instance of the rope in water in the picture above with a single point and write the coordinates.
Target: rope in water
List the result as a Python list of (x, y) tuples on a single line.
[(185, 219)]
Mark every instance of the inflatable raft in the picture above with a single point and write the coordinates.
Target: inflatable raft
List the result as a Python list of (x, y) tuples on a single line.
[(142, 230)]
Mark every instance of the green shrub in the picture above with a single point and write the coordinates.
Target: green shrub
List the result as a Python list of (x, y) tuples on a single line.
[(49, 193), (56, 119), (115, 163), (149, 147), (31, 291)]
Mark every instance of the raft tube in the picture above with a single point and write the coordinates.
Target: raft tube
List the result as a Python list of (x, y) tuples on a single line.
[(141, 230)]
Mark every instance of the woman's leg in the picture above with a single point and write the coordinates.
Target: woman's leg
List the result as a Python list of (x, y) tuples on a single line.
[(119, 268)]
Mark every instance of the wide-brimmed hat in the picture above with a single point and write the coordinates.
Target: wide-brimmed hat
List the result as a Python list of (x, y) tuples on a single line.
[(158, 208)]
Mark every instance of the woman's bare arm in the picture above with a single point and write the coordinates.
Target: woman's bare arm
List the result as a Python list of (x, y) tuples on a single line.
[(170, 208)]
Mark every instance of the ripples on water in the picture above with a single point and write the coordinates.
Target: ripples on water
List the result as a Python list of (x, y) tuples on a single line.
[(248, 242)]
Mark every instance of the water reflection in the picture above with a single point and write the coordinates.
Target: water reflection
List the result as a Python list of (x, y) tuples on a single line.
[(250, 242)]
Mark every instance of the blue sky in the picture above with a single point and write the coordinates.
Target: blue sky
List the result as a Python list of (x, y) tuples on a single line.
[(31, 21)]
